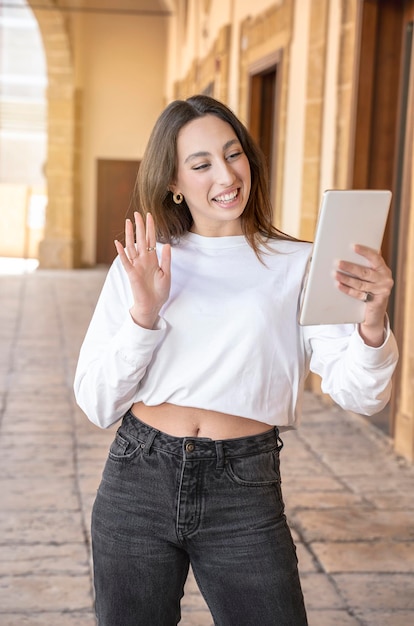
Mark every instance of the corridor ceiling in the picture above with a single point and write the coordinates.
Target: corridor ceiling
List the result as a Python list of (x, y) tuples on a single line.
[(154, 7), (134, 7)]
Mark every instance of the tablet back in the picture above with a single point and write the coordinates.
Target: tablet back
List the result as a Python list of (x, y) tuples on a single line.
[(346, 217)]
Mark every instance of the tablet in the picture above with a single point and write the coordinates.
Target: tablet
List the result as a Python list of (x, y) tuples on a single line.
[(346, 217)]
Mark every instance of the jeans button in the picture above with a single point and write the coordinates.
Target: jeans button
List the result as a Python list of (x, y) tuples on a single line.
[(189, 447)]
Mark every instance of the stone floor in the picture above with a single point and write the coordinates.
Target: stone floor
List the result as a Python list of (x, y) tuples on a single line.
[(350, 500)]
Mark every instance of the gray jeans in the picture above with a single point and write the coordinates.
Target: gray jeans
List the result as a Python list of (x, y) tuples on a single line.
[(165, 502)]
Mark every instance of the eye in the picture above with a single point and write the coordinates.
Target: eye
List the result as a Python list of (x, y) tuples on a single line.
[(233, 155), (202, 166)]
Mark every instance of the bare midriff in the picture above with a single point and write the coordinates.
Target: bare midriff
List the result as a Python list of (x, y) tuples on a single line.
[(191, 422)]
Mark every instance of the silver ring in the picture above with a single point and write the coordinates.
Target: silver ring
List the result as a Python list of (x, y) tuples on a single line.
[(151, 249), (368, 296)]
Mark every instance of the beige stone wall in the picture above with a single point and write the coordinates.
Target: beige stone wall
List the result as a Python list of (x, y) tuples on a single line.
[(262, 37), (210, 71)]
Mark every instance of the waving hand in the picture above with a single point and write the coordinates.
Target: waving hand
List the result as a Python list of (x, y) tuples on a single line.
[(150, 278)]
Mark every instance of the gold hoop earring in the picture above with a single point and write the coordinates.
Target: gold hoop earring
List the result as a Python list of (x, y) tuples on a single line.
[(178, 198)]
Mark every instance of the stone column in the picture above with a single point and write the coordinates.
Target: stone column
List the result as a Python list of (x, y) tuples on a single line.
[(60, 247), (315, 91)]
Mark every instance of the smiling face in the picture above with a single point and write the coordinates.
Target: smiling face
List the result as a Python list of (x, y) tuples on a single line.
[(213, 174)]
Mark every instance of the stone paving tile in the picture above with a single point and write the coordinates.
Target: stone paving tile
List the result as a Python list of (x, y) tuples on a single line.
[(55, 592), (46, 402), (30, 494), (20, 421), (322, 500), (390, 484), (332, 618), (93, 446), (378, 556), (86, 618), (307, 561), (41, 526), (395, 501), (308, 484), (28, 445), (44, 559), (193, 607), (196, 618), (353, 524), (383, 592), (36, 468), (387, 618), (320, 592)]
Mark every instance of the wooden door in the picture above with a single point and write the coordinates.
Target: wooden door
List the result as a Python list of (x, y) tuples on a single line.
[(115, 198), (377, 105), (262, 112), (263, 96)]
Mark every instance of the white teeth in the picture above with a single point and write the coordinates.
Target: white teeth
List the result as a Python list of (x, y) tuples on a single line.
[(227, 197)]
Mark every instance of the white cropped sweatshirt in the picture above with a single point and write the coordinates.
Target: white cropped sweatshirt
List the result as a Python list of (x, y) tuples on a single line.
[(227, 340)]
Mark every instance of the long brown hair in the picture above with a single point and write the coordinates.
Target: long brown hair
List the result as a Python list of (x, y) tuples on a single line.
[(158, 170)]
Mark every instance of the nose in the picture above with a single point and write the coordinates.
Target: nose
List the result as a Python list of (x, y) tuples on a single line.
[(225, 173)]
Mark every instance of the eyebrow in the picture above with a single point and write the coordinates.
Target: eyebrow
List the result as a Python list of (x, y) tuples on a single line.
[(202, 153)]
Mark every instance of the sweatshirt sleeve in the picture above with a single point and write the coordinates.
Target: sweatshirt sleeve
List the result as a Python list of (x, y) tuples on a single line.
[(115, 353), (356, 376)]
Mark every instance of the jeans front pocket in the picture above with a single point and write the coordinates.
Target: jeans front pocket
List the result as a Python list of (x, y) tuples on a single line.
[(256, 470), (125, 446)]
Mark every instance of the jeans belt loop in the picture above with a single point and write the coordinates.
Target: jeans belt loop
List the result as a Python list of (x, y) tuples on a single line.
[(150, 441), (278, 439), (220, 455)]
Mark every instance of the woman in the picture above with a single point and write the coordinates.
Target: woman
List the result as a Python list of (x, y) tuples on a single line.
[(195, 344)]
